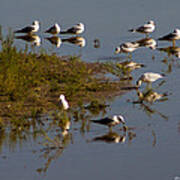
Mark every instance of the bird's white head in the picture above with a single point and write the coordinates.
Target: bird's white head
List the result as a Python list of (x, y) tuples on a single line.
[(151, 22), (80, 25), (35, 23), (177, 31), (57, 26), (117, 50), (119, 119), (62, 97)]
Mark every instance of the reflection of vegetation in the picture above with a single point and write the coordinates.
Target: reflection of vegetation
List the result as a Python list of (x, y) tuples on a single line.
[(53, 149)]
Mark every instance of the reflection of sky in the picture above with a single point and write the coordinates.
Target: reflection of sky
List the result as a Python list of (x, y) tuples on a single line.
[(109, 21)]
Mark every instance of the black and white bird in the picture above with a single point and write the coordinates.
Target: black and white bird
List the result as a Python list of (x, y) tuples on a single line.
[(64, 102), (147, 28), (78, 41), (149, 77), (175, 35), (76, 29), (127, 47), (29, 29), (54, 30), (110, 121)]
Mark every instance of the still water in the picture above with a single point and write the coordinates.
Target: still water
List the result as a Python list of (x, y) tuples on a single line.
[(150, 149)]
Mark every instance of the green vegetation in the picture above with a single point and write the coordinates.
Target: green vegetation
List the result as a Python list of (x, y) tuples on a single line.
[(30, 83)]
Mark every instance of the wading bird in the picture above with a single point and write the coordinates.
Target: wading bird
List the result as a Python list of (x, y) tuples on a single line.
[(54, 30), (148, 78), (147, 28), (110, 121), (64, 102), (29, 29), (175, 35), (76, 29)]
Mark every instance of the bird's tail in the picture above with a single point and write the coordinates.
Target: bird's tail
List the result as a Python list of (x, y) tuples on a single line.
[(18, 31), (132, 30)]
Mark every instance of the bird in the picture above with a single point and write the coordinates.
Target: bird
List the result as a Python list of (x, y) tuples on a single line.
[(78, 40), (76, 29), (147, 42), (173, 36), (64, 102), (33, 39), (147, 28), (148, 77), (54, 30), (110, 121), (55, 40), (29, 29), (127, 47)]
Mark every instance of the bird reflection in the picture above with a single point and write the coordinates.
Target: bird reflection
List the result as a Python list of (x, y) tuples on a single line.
[(111, 137), (129, 66), (78, 41), (149, 96), (34, 39), (55, 41), (147, 42), (97, 43), (171, 50)]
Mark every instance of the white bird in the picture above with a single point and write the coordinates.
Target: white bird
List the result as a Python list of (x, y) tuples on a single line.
[(175, 35), (127, 47), (64, 102), (29, 29), (55, 29), (110, 121), (149, 77), (147, 28), (76, 29)]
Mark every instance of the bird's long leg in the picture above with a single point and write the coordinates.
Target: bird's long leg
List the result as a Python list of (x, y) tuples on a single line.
[(174, 43), (147, 35), (130, 56), (110, 128), (149, 86)]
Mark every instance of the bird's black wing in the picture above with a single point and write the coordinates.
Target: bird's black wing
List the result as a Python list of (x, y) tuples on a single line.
[(167, 37), (27, 29), (50, 29), (104, 121)]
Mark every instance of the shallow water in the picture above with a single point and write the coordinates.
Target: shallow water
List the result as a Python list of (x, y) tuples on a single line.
[(150, 149)]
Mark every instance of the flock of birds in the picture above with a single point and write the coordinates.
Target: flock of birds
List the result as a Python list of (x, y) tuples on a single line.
[(127, 47), (31, 30)]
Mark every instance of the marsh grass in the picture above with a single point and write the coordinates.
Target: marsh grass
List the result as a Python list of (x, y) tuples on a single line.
[(30, 83)]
